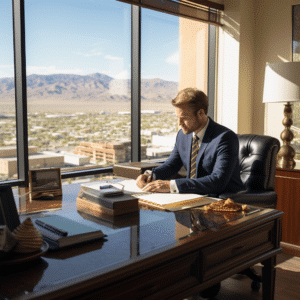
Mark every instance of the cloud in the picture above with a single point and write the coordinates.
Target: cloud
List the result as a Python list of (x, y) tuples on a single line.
[(6, 71), (122, 75), (92, 53), (173, 59), (6, 66), (119, 86), (51, 70), (110, 57)]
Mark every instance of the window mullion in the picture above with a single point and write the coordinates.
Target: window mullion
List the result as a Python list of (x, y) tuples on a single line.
[(211, 82), (20, 89), (135, 83)]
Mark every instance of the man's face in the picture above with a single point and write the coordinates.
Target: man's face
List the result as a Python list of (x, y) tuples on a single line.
[(188, 120)]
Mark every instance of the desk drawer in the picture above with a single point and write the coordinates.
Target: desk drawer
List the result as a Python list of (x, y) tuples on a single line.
[(229, 253), (159, 282)]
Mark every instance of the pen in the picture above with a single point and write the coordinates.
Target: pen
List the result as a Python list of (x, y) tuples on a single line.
[(151, 176)]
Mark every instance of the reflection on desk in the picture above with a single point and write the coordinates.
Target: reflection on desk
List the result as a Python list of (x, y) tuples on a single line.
[(22, 278), (111, 221), (27, 205), (199, 219)]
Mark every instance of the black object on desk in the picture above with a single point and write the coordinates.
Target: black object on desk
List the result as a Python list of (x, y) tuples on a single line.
[(110, 191), (8, 210)]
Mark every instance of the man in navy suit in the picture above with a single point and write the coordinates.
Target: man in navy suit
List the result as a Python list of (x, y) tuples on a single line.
[(217, 164)]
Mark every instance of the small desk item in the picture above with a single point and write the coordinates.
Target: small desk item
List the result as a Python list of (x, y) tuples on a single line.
[(60, 232), (8, 210), (133, 169), (45, 183), (109, 190)]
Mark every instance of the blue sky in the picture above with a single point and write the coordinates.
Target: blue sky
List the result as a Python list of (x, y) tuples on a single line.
[(85, 37)]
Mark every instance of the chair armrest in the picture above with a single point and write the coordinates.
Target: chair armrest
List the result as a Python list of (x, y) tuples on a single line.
[(265, 199)]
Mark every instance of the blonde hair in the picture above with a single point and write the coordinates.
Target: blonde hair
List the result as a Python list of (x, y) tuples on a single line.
[(193, 97)]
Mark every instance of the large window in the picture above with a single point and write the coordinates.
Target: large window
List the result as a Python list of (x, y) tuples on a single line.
[(76, 70), (8, 150), (174, 57), (78, 87)]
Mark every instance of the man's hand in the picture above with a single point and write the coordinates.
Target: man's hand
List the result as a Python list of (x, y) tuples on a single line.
[(158, 186), (142, 180)]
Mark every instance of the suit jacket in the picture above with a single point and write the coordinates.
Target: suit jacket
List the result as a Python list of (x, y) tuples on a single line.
[(217, 164)]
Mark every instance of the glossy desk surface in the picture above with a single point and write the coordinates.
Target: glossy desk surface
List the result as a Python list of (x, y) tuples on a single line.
[(147, 234)]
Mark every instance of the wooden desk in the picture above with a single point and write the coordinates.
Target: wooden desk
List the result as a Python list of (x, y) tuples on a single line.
[(157, 258), (287, 187)]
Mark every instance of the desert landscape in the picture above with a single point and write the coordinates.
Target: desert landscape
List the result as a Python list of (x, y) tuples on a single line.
[(90, 93)]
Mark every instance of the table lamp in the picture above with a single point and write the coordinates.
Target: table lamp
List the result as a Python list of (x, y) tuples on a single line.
[(282, 84)]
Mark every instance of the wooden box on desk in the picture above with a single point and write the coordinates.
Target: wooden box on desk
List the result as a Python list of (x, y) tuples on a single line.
[(91, 200), (133, 169)]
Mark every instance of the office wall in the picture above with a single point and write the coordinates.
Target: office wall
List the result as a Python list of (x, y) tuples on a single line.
[(255, 33), (273, 44), (193, 52)]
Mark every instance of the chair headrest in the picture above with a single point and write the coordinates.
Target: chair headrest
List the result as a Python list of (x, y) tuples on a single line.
[(257, 158)]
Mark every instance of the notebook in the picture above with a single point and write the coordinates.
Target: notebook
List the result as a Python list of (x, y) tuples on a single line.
[(60, 232)]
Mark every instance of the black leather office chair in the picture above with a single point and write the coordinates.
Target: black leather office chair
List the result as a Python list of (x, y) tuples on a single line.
[(257, 158)]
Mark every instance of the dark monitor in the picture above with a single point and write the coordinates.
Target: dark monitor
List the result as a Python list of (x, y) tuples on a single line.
[(8, 211)]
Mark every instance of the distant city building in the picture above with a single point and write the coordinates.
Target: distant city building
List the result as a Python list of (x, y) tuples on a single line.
[(147, 132), (161, 146), (124, 113), (76, 159), (71, 158), (7, 116), (158, 152), (8, 160), (163, 140), (58, 116), (150, 112), (12, 151), (108, 152)]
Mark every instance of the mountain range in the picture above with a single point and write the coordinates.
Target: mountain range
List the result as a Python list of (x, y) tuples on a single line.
[(93, 87)]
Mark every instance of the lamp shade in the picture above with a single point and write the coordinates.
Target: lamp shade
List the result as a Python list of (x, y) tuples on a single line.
[(282, 82)]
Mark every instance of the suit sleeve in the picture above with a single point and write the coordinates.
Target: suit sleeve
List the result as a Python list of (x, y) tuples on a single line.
[(171, 166), (224, 162)]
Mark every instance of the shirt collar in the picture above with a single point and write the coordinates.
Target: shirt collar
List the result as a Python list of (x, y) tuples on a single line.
[(201, 133)]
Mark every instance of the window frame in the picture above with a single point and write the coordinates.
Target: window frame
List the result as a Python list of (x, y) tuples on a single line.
[(19, 39)]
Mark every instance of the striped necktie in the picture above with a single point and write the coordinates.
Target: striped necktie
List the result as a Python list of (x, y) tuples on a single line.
[(194, 153)]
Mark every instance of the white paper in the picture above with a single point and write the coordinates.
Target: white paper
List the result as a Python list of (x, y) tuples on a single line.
[(127, 185), (158, 198), (167, 198)]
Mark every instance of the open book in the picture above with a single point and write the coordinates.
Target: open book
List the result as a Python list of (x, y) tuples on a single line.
[(166, 201)]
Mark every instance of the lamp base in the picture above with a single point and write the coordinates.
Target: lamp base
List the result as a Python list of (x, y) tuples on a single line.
[(285, 157), (286, 153)]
